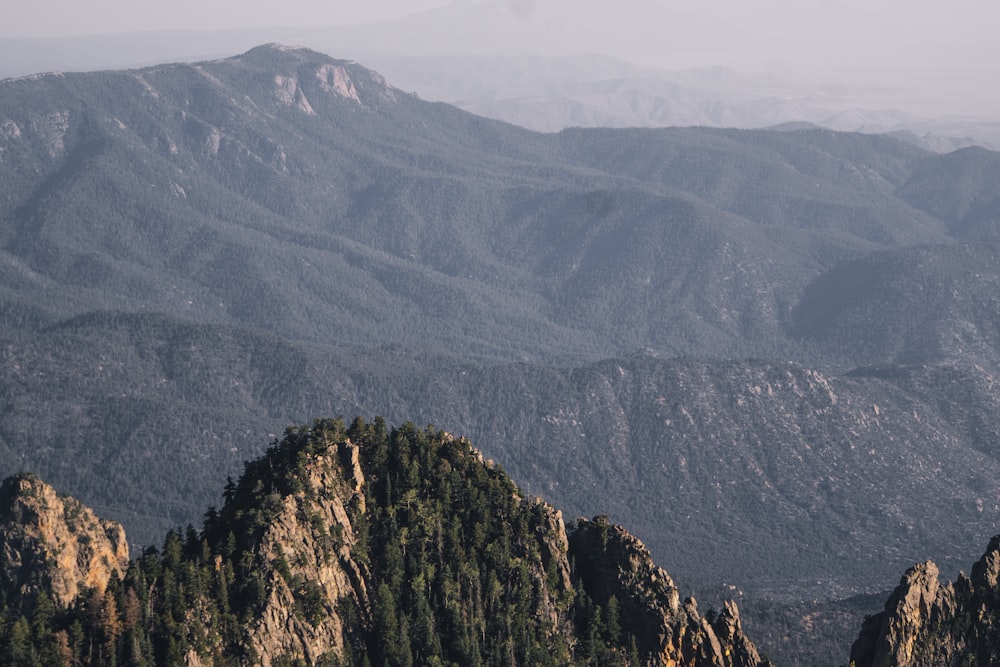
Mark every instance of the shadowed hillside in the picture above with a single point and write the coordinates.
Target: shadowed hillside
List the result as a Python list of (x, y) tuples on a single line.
[(780, 340)]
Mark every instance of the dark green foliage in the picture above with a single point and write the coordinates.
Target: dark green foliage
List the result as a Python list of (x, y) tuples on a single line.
[(460, 566), (457, 555), (168, 304)]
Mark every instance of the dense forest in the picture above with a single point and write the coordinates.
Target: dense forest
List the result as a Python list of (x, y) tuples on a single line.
[(447, 564), (749, 337)]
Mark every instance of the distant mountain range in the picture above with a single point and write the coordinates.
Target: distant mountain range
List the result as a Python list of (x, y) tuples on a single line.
[(549, 94), (539, 65), (782, 341)]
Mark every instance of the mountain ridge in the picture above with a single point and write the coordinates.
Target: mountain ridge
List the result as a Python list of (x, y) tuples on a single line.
[(927, 622), (192, 260), (476, 235), (338, 539)]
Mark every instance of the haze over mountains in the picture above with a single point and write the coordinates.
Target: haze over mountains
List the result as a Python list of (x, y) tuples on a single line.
[(783, 341), (552, 93), (556, 64)]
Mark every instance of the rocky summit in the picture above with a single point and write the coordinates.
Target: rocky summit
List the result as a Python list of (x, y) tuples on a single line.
[(54, 544), (928, 623), (350, 546)]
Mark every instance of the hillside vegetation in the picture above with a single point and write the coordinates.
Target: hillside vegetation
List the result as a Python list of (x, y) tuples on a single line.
[(782, 340), (354, 546)]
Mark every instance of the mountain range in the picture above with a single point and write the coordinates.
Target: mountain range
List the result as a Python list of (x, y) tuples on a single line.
[(553, 93), (552, 65), (782, 341)]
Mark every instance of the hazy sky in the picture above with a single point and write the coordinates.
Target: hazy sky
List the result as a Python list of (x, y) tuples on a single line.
[(941, 44), (62, 18)]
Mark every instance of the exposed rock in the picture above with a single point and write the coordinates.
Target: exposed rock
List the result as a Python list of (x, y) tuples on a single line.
[(729, 630), (926, 623), (613, 563), (53, 543), (309, 547), (375, 549)]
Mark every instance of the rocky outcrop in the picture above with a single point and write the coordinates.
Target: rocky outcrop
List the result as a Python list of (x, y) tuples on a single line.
[(55, 544), (358, 546), (929, 624), (614, 564), (307, 554)]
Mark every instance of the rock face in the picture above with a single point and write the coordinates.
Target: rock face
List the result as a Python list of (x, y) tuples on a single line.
[(299, 541), (55, 544), (343, 486), (614, 564), (351, 547), (927, 623)]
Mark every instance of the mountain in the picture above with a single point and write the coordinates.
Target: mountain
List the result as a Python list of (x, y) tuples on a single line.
[(960, 188), (907, 305), (357, 546), (288, 191), (533, 64), (754, 453), (715, 336), (552, 93), (926, 622)]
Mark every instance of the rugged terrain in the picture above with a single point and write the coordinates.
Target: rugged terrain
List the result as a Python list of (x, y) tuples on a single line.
[(927, 622), (352, 546), (54, 544), (782, 340)]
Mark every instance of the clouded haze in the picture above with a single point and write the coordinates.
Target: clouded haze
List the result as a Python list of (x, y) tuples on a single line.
[(948, 48), (64, 18)]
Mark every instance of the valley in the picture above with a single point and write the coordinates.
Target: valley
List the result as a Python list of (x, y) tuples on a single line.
[(762, 351)]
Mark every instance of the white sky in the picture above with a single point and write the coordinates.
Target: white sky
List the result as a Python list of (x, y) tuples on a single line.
[(64, 18)]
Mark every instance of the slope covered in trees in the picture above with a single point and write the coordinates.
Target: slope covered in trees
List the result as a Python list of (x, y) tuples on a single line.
[(288, 191), (364, 546), (194, 256)]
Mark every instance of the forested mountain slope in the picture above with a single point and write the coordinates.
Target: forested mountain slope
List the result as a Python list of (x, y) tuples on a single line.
[(753, 453), (782, 340), (286, 190), (353, 546)]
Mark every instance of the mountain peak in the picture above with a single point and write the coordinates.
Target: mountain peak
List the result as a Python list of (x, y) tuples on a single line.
[(929, 623), (363, 545), (273, 50), (303, 77), (284, 48), (53, 543)]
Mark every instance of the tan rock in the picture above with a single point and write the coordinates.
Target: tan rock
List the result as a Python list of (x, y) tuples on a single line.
[(55, 543), (309, 544)]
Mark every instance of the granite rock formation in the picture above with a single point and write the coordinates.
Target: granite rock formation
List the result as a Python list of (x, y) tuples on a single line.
[(926, 623)]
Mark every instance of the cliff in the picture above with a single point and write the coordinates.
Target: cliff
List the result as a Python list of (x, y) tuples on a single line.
[(926, 623), (612, 564), (53, 543), (364, 545)]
